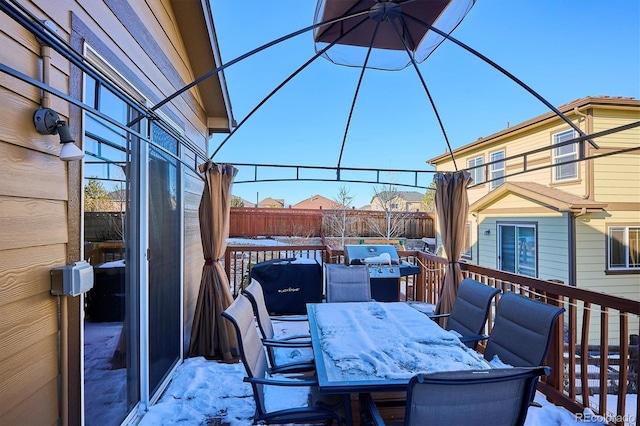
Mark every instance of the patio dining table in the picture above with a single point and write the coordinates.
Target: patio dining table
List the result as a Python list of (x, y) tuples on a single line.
[(369, 347)]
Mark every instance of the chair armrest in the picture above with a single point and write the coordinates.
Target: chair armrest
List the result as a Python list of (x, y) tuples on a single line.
[(286, 343), (298, 318), (369, 413), (436, 316), (274, 382), (476, 338), (297, 337), (293, 367)]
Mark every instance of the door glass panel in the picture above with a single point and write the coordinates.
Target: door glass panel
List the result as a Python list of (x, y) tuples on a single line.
[(507, 248), (518, 249), (111, 315), (526, 251), (164, 258)]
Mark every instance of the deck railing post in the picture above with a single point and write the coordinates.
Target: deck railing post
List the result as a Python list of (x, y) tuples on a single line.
[(227, 268), (555, 357)]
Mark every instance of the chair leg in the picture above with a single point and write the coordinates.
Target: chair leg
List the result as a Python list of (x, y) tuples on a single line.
[(365, 414), (348, 418)]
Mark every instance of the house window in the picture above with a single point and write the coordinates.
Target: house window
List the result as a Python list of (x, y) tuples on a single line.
[(562, 155), (475, 168), (497, 169), (623, 248), (517, 248), (466, 252)]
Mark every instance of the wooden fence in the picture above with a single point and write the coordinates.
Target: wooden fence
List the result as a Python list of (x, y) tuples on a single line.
[(103, 226), (254, 222)]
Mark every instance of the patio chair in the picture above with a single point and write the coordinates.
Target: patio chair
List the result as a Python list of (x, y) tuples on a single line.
[(278, 347), (522, 331), (470, 310), (499, 397), (252, 354), (347, 283)]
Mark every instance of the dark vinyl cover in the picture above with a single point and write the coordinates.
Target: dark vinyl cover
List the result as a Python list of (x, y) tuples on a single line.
[(289, 284)]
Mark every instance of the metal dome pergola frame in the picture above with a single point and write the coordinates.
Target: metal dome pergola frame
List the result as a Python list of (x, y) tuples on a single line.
[(46, 36)]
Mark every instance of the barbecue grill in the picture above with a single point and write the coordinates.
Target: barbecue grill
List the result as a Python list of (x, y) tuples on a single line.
[(385, 268)]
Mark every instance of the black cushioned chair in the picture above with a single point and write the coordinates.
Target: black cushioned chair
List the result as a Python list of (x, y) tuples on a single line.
[(347, 283), (496, 397), (470, 311), (522, 331)]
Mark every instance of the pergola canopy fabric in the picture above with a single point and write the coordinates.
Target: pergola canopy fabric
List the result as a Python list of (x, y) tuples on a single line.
[(396, 31)]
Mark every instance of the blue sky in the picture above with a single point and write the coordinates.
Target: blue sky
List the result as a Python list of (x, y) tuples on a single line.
[(563, 49)]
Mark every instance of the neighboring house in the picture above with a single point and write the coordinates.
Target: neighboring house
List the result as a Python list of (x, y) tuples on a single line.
[(242, 201), (403, 201), (113, 59), (272, 203), (578, 222), (248, 203), (316, 202)]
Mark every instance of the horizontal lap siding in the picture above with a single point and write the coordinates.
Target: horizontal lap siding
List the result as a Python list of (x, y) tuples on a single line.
[(552, 247), (618, 176), (618, 184), (38, 409), (193, 257), (551, 234), (592, 256), (22, 165), (33, 215), (34, 196), (28, 356)]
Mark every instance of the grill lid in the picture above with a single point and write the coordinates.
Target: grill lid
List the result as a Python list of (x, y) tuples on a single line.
[(370, 254)]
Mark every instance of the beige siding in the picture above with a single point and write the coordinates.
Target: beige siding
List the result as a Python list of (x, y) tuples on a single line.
[(38, 229), (618, 176), (515, 146), (193, 257), (591, 258), (33, 218)]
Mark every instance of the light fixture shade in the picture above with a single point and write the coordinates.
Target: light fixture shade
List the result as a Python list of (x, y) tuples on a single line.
[(71, 152)]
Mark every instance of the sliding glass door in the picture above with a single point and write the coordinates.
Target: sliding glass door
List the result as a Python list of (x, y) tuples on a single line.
[(164, 257), (132, 228), (517, 248)]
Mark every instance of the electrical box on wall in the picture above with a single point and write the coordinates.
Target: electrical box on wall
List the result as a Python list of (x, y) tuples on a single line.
[(71, 280)]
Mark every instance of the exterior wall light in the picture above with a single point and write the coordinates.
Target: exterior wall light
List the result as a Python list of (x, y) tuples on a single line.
[(48, 122), (487, 232)]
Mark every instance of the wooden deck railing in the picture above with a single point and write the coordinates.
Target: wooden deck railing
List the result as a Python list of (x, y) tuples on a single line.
[(238, 260), (604, 377)]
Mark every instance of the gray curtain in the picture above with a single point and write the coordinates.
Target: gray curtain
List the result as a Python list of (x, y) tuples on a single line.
[(211, 335), (452, 206)]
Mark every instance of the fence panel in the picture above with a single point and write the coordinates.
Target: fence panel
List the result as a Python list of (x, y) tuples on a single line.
[(256, 222)]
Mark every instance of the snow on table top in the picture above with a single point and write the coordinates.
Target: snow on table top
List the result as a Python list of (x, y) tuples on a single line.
[(382, 341)]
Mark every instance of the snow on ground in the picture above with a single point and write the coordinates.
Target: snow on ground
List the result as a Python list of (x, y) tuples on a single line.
[(202, 390)]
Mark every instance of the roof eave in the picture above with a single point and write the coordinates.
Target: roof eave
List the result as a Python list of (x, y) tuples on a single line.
[(553, 203), (195, 23)]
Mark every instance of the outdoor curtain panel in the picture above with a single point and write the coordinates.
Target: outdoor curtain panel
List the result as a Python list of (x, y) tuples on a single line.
[(452, 206), (211, 335)]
